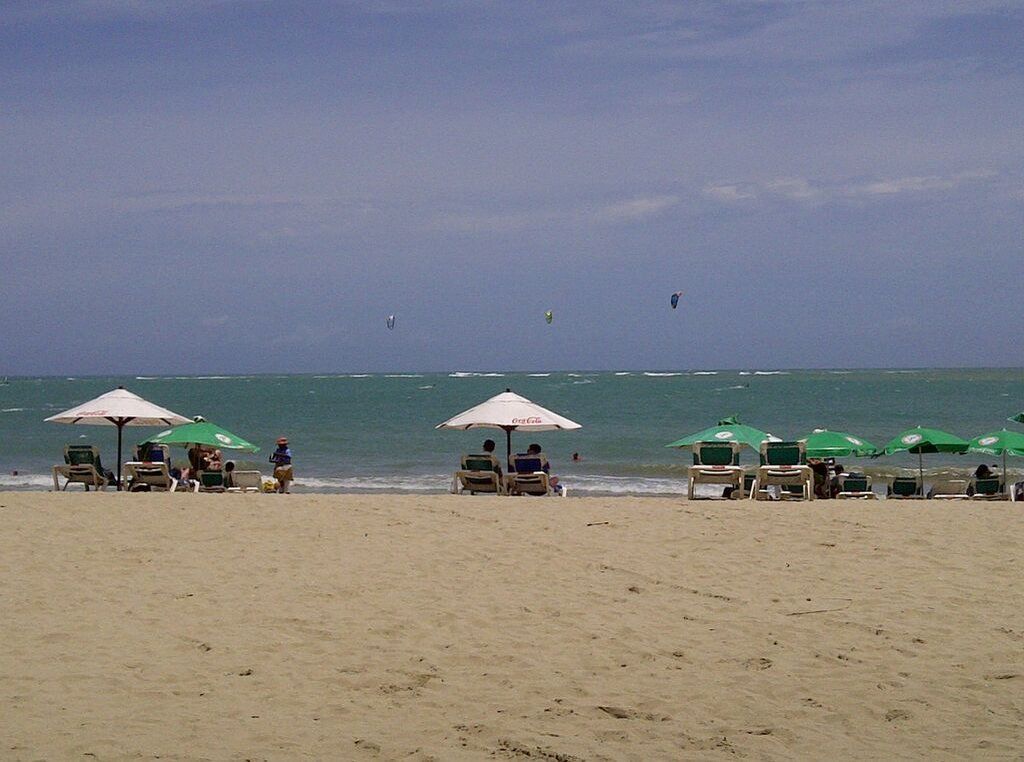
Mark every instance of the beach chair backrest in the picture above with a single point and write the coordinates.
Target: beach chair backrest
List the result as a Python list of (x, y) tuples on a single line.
[(527, 464), (852, 483), (783, 453), (211, 478), (987, 486), (158, 454), (81, 455), (905, 486), (247, 480), (950, 487), (484, 462), (716, 454)]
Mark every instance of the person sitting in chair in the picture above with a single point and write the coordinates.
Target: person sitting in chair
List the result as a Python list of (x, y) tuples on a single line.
[(534, 451), (489, 450)]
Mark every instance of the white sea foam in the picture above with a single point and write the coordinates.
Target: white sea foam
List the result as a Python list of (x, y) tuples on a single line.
[(403, 375), (623, 373), (538, 375), (705, 373), (660, 375), (771, 372), (473, 374), (13, 409)]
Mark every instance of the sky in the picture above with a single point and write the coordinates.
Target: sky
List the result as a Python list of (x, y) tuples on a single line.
[(196, 186)]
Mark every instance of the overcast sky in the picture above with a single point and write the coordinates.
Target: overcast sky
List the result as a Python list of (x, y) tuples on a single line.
[(218, 186)]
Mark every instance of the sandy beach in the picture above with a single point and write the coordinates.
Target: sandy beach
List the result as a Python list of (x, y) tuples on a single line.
[(447, 627)]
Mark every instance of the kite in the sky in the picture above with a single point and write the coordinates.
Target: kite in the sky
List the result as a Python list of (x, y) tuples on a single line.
[(391, 322), (549, 316), (675, 299)]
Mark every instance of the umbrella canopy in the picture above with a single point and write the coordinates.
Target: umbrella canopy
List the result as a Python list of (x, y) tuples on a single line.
[(119, 408), (998, 443), (728, 430), (822, 443), (510, 412), (921, 440), (202, 432), (1019, 418)]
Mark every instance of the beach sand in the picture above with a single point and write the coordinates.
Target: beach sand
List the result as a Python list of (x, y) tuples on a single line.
[(447, 627)]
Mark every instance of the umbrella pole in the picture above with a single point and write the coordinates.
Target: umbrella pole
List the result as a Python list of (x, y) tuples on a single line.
[(117, 476), (508, 447), (920, 470), (1005, 482)]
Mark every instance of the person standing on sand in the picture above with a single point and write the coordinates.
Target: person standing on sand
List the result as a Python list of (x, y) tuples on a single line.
[(282, 460)]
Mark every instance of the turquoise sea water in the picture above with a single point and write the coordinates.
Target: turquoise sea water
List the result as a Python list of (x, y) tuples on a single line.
[(376, 432)]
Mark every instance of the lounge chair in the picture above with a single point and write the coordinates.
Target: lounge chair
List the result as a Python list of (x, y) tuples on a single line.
[(244, 481), (478, 474), (855, 487), (81, 466), (152, 477), (717, 463), (905, 488), (530, 478), (949, 489), (784, 465), (210, 481), (990, 488)]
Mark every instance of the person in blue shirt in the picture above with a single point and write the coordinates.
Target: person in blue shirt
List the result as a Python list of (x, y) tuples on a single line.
[(282, 460)]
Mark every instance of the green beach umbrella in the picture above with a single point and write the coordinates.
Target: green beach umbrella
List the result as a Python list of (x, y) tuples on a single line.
[(999, 443), (822, 443), (921, 440), (202, 432), (1019, 418), (727, 430)]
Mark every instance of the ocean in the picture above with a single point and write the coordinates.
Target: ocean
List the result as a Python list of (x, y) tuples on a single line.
[(375, 432)]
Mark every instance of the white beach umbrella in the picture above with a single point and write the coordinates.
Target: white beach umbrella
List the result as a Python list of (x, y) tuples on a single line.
[(510, 412), (120, 408)]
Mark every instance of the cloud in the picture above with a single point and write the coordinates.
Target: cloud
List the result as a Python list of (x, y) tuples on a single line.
[(803, 190), (730, 192), (914, 184), (637, 208), (619, 212), (794, 189)]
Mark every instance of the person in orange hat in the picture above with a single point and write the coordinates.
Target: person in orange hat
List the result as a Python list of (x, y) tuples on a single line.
[(282, 460)]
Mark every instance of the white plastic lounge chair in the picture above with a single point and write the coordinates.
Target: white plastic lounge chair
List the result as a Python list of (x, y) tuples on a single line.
[(717, 463), (905, 488), (81, 466), (988, 488), (210, 481), (784, 465), (530, 478), (949, 489), (246, 481), (153, 477), (478, 474), (855, 487)]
